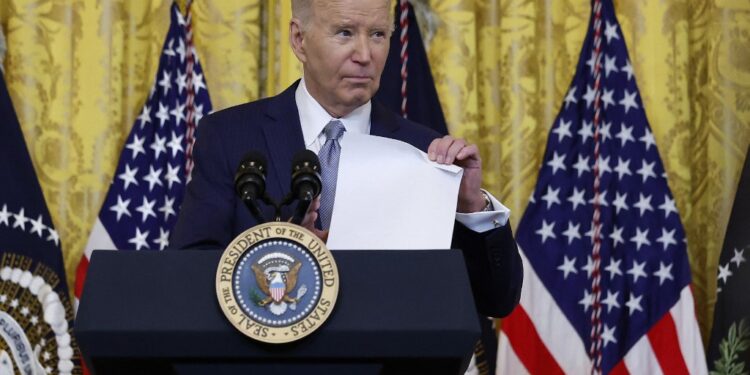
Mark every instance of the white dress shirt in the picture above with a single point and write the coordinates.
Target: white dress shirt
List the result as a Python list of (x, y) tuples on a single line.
[(313, 118)]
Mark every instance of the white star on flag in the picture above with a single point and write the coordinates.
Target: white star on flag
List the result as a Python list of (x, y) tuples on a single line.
[(668, 206), (724, 273), (576, 198), (121, 207), (664, 273), (551, 197), (667, 238), (573, 232), (628, 101), (4, 215), (637, 271), (568, 267), (625, 135), (614, 268), (622, 168), (37, 226), (139, 239), (571, 97), (557, 162), (136, 147), (611, 32), (546, 231), (20, 220), (562, 131), (634, 304), (738, 257), (611, 301)]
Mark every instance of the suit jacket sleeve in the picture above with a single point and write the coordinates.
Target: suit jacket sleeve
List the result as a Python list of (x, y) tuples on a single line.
[(205, 219), (494, 267)]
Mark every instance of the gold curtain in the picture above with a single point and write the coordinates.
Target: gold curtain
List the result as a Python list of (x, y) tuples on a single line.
[(79, 71), (502, 68)]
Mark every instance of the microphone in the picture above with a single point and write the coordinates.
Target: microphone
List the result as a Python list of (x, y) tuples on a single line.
[(250, 182), (306, 183)]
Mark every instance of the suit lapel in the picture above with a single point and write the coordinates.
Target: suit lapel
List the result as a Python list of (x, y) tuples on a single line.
[(383, 122), (283, 134)]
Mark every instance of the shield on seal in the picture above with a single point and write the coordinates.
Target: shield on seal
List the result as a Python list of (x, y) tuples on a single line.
[(277, 288)]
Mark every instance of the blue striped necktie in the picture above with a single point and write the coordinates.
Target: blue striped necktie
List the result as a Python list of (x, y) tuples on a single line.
[(329, 164)]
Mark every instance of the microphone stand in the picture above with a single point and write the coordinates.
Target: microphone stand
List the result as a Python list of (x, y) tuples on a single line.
[(276, 207), (255, 210), (303, 204)]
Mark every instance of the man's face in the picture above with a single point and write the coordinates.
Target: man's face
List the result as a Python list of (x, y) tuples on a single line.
[(343, 51)]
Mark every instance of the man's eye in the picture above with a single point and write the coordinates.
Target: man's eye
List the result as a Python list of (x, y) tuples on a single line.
[(344, 32), (379, 34)]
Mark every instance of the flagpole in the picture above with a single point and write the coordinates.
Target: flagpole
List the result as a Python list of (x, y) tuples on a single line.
[(595, 349), (404, 23), (190, 103)]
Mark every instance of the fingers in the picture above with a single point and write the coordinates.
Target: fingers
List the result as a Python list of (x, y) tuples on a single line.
[(309, 221), (439, 148), (453, 150), (312, 215), (309, 224), (315, 205), (468, 152), (322, 234), (447, 150)]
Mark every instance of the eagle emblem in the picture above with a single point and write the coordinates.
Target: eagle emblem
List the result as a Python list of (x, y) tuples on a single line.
[(272, 287), (276, 276)]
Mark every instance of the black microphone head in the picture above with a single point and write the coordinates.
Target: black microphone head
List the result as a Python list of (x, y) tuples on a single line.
[(250, 178), (305, 157), (306, 173), (255, 157)]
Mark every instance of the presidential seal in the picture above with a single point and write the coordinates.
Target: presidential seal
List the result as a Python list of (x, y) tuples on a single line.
[(277, 282), (35, 337)]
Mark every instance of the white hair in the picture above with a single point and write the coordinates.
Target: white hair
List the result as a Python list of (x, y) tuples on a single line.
[(303, 10)]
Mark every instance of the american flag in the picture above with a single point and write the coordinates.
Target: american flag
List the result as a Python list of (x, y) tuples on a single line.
[(622, 303), (149, 183)]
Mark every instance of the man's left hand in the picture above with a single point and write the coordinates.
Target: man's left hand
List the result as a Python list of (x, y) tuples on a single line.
[(308, 222), (449, 150)]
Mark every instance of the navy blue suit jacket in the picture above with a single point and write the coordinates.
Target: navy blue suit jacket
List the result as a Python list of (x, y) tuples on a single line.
[(212, 214)]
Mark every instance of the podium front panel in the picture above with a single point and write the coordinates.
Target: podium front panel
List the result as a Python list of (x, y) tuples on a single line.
[(407, 306)]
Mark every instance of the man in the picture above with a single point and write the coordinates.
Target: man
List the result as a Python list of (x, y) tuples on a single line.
[(343, 45)]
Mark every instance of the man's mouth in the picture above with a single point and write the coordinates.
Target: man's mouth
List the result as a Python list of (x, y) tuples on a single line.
[(358, 79)]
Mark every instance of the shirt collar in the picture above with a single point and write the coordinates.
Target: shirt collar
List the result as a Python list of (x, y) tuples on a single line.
[(313, 117)]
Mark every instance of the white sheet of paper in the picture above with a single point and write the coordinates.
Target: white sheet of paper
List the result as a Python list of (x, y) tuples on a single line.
[(390, 196)]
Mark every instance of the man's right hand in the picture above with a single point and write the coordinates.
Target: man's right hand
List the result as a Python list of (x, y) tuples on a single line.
[(308, 222)]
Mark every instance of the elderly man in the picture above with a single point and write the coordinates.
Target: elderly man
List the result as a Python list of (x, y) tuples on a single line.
[(343, 45)]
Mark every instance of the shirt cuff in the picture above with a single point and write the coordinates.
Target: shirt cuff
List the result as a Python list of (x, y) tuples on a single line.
[(483, 221)]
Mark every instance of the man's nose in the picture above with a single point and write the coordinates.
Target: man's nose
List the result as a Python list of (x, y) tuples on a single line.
[(362, 50)]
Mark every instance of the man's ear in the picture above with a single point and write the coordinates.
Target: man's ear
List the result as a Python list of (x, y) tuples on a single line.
[(297, 39)]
